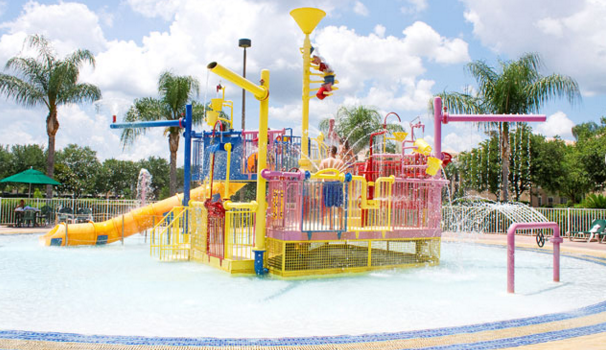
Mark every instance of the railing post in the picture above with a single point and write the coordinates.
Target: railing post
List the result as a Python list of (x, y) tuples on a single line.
[(66, 233), (568, 220)]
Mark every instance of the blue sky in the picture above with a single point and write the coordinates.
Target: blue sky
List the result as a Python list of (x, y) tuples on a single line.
[(393, 55)]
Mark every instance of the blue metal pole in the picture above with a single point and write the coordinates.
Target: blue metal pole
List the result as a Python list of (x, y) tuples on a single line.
[(153, 124), (187, 161)]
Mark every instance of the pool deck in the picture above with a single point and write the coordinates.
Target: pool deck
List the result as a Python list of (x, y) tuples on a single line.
[(583, 328)]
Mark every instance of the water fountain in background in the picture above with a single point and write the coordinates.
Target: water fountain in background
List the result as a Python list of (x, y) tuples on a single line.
[(478, 215), (144, 190)]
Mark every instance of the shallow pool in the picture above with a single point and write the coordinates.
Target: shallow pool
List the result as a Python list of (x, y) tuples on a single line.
[(121, 290)]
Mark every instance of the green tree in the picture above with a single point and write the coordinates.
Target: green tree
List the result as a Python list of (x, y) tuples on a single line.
[(27, 156), (576, 182), (77, 170), (547, 163), (117, 177), (356, 124), (51, 82), (175, 92), (518, 88), (6, 159)]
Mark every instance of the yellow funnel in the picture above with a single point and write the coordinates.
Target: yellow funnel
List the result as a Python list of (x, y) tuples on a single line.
[(400, 136), (307, 18)]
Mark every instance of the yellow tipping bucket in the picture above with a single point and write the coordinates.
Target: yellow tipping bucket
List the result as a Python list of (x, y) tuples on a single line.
[(216, 104), (422, 147), (400, 136), (433, 165), (211, 118)]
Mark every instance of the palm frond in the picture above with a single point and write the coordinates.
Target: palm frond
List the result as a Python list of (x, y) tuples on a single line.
[(144, 109), (80, 93), (21, 91), (553, 86)]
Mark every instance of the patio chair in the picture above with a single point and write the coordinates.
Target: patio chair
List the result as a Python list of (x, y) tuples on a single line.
[(47, 213), (84, 215), (66, 214), (595, 231), (29, 218)]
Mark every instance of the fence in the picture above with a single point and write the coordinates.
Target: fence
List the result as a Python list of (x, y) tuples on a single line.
[(101, 209), (569, 220)]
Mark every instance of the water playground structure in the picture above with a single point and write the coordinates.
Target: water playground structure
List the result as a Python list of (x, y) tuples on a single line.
[(380, 212)]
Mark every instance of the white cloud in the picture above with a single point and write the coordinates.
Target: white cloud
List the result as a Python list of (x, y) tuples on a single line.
[(165, 9), (568, 35), (421, 39), (360, 9), (458, 142), (380, 30), (3, 5), (556, 124), (415, 6), (68, 25)]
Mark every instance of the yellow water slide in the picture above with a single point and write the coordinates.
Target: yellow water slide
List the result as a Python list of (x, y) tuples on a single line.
[(135, 221)]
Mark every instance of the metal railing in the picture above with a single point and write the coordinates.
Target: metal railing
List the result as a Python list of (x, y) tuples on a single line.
[(102, 209), (568, 219), (169, 239)]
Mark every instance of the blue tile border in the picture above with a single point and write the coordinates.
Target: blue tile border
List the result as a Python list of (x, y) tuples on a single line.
[(536, 338), (364, 338), (343, 339)]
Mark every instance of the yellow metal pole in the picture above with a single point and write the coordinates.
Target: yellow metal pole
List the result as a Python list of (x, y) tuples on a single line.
[(261, 165), (259, 91), (304, 162), (227, 172)]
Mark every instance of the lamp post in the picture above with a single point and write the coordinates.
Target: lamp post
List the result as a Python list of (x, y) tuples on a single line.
[(244, 43)]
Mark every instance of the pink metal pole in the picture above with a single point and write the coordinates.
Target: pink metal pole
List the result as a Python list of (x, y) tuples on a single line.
[(556, 240), (493, 118), (437, 127)]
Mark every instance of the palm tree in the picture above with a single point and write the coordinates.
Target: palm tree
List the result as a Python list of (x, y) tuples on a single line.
[(49, 81), (175, 92), (355, 124), (519, 88)]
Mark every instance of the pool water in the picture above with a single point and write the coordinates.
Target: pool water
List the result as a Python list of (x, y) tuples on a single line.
[(120, 290)]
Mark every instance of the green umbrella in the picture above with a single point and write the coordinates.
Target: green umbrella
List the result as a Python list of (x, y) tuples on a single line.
[(31, 176)]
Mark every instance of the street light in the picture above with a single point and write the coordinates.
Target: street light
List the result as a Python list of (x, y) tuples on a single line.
[(244, 43)]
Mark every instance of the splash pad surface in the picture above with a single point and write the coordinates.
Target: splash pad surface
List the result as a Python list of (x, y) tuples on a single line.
[(87, 290)]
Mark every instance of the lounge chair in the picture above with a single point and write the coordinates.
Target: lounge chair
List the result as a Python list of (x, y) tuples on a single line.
[(66, 214), (596, 230), (47, 213), (84, 215)]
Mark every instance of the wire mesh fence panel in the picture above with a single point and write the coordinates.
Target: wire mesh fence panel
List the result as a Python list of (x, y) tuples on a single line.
[(198, 225), (240, 234)]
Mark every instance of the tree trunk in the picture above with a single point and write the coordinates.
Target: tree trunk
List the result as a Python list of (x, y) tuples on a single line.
[(52, 126), (173, 143), (505, 151)]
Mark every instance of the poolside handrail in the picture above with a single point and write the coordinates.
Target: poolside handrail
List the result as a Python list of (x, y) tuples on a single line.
[(556, 240)]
